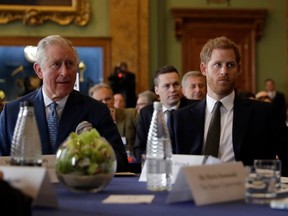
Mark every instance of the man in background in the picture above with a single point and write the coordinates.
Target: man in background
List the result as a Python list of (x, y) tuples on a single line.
[(119, 101), (194, 85), (124, 81), (278, 99), (167, 86), (145, 98), (125, 119)]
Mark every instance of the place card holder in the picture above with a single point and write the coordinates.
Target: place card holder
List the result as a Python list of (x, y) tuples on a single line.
[(33, 181), (48, 161), (205, 184)]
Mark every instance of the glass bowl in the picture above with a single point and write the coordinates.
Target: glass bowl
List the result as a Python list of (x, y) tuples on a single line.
[(85, 162)]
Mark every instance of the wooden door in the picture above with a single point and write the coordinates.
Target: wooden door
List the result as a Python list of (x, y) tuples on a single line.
[(194, 27)]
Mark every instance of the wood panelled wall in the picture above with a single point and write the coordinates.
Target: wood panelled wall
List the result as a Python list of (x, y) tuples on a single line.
[(129, 27), (194, 27)]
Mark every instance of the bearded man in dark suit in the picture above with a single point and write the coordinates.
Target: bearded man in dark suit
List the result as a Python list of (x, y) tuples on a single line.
[(248, 129)]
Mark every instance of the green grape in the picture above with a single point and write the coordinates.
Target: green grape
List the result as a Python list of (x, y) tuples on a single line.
[(92, 169)]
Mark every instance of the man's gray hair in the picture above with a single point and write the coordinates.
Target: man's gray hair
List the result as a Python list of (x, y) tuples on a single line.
[(98, 86), (190, 74), (52, 40)]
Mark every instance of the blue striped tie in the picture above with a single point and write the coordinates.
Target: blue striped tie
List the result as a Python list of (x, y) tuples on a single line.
[(53, 123)]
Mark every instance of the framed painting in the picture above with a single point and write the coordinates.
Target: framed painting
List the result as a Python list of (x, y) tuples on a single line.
[(36, 12)]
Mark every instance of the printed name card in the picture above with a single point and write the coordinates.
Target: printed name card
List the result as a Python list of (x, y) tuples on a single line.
[(48, 162), (209, 183), (33, 181), (180, 160)]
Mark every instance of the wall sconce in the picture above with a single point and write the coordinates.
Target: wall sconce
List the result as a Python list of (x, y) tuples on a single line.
[(82, 68), (30, 53)]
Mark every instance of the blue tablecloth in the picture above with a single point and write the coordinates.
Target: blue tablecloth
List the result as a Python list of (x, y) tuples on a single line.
[(71, 203)]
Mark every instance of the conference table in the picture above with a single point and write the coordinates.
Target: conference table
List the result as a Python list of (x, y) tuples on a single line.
[(85, 203)]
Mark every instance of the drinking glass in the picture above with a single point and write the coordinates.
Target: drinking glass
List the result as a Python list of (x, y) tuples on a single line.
[(262, 181), (270, 164)]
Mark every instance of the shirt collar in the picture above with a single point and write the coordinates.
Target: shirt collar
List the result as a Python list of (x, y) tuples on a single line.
[(271, 94), (227, 102), (48, 101), (171, 108)]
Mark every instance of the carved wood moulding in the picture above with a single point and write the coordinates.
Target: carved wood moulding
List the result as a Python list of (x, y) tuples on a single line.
[(78, 12), (255, 18)]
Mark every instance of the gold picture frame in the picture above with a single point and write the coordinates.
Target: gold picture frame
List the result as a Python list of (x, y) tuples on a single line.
[(70, 11)]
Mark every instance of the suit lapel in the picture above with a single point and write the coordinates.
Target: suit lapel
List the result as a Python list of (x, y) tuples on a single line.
[(39, 109), (119, 121), (198, 113), (199, 124), (69, 119), (242, 114), (191, 139)]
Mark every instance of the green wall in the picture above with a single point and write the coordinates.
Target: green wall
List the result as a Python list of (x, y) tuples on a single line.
[(271, 49)]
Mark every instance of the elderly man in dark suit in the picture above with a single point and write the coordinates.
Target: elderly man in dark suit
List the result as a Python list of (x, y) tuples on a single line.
[(248, 129), (125, 119), (167, 86), (56, 65)]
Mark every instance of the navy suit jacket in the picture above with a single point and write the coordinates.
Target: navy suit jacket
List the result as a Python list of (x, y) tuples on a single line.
[(256, 134), (142, 128), (279, 105), (78, 108)]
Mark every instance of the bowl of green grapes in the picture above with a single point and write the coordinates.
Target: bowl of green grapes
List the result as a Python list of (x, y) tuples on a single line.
[(85, 162)]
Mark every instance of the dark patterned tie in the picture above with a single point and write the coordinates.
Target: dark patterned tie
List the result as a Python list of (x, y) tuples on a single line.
[(53, 123), (169, 113), (213, 134)]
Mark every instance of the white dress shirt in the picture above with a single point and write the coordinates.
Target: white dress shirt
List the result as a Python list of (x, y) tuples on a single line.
[(226, 152), (165, 111), (48, 101)]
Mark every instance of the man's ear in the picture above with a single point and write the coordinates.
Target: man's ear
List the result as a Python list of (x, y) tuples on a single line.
[(156, 90), (203, 69), (38, 70)]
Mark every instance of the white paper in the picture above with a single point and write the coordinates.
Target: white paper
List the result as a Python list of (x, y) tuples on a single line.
[(128, 199), (124, 140)]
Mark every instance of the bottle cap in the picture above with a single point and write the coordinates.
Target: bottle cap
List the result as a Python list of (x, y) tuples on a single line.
[(27, 103), (157, 105)]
